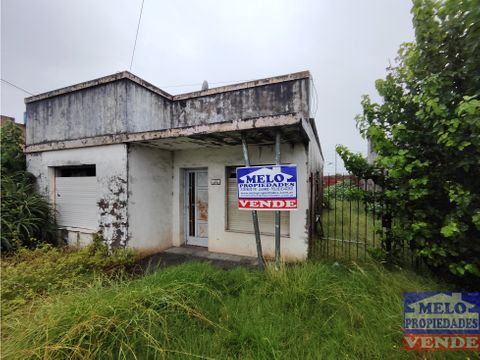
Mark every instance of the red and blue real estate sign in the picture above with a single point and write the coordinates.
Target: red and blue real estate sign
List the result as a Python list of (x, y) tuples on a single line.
[(441, 321), (272, 187)]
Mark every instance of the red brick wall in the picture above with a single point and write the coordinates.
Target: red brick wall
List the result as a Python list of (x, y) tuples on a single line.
[(333, 179)]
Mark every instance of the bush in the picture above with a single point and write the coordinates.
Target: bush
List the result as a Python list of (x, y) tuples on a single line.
[(27, 217), (13, 159), (345, 190), (426, 134)]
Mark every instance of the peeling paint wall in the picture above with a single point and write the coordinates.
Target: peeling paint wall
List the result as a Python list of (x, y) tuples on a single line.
[(113, 210), (150, 197), (111, 174), (125, 107), (141, 195)]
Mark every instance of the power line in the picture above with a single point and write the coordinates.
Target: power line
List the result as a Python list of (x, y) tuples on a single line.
[(136, 36), (17, 87)]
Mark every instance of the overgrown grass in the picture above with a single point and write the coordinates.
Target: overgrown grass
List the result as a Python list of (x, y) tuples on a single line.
[(348, 220), (30, 275), (349, 232), (305, 311)]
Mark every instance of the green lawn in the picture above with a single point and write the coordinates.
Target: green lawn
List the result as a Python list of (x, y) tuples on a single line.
[(348, 220), (306, 311), (348, 231)]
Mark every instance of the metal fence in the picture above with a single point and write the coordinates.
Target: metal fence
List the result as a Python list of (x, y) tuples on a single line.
[(349, 226), (352, 222)]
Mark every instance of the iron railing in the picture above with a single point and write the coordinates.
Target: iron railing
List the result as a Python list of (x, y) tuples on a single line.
[(352, 222)]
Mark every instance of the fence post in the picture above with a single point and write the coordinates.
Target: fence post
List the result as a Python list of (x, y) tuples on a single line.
[(277, 212)]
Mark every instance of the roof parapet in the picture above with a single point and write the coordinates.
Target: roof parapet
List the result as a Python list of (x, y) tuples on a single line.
[(128, 75)]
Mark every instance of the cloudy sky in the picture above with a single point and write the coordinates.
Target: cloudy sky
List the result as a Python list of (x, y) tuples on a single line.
[(346, 45)]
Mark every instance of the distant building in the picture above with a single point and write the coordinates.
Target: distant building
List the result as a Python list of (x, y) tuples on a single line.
[(150, 170), (7, 119), (371, 154)]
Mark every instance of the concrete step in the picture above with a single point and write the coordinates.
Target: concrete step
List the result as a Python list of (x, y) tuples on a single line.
[(178, 255)]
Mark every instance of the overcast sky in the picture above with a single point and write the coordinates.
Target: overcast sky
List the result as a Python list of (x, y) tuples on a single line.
[(346, 45)]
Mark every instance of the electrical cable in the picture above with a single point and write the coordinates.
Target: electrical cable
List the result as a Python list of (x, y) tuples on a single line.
[(136, 36), (17, 87)]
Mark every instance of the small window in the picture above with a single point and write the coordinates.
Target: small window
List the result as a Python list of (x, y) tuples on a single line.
[(76, 171)]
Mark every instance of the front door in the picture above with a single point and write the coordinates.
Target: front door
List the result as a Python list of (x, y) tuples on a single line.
[(196, 207)]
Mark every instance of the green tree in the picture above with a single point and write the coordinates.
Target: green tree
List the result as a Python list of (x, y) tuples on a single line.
[(26, 217), (13, 158), (426, 132)]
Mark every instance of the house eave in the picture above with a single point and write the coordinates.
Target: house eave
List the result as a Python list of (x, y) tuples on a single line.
[(260, 124)]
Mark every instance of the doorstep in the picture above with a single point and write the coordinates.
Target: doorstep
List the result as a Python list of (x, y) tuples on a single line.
[(178, 255)]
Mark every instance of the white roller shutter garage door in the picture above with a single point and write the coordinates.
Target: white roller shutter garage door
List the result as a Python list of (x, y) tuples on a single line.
[(76, 201)]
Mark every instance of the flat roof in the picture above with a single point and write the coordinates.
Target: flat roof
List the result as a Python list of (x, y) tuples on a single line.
[(128, 75)]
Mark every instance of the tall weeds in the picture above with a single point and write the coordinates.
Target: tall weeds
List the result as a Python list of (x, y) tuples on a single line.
[(303, 311)]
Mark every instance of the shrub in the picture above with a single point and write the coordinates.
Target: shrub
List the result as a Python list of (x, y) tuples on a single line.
[(345, 190), (13, 159), (426, 133), (27, 218)]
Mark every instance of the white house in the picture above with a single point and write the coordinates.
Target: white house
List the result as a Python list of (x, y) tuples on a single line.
[(149, 170)]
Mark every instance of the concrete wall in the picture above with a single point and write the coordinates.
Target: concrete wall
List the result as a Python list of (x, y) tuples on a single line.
[(146, 110), (315, 188), (268, 100), (96, 110), (294, 247), (123, 106), (149, 197), (111, 173), (141, 194), (315, 157)]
